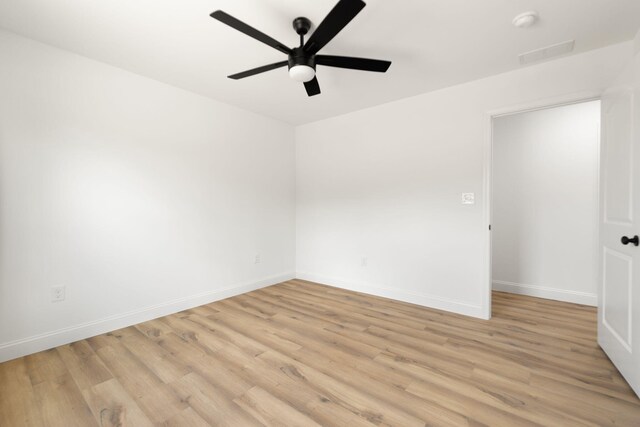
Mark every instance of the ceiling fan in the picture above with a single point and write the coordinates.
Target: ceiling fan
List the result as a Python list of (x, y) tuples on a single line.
[(302, 60)]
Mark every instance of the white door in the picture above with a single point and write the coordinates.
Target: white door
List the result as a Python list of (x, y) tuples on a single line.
[(619, 298)]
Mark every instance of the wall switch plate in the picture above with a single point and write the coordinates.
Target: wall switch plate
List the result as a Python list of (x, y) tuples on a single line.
[(57, 293), (468, 198), (257, 259), (365, 261)]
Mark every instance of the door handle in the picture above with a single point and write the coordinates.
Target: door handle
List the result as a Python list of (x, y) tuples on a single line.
[(626, 240)]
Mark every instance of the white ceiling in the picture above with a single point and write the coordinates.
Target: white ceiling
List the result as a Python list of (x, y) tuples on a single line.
[(432, 43)]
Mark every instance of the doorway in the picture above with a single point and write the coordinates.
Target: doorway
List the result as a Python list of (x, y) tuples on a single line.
[(544, 202)]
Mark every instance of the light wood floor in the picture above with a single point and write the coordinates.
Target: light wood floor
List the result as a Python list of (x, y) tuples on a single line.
[(304, 354)]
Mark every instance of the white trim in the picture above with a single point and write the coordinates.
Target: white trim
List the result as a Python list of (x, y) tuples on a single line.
[(36, 343), (431, 301), (569, 99), (487, 185), (545, 104), (546, 292)]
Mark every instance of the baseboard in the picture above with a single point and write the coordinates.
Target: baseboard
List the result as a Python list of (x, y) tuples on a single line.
[(430, 301), (576, 297), (34, 344)]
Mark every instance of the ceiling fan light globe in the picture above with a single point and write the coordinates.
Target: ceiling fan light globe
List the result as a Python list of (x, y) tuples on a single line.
[(302, 73)]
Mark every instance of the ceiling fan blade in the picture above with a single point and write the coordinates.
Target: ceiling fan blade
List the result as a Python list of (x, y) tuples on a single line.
[(258, 70), (364, 64), (312, 87), (333, 23), (225, 18)]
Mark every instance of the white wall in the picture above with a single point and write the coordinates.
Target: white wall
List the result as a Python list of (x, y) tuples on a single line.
[(385, 183), (143, 199), (140, 198), (545, 203)]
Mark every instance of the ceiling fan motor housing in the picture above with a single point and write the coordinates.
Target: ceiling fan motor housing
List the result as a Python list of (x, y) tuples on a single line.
[(299, 57)]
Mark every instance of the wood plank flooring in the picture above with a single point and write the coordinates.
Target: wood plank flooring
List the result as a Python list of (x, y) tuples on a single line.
[(302, 354)]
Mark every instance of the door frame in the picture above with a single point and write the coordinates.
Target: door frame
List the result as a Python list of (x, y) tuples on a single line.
[(487, 199)]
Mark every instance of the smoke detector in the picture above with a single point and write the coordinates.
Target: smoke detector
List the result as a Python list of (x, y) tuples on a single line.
[(526, 19)]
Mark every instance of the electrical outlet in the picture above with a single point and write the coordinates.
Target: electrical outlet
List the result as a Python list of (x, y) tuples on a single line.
[(57, 293), (257, 259), (365, 261)]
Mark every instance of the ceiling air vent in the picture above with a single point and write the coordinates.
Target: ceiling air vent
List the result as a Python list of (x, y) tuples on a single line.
[(546, 52)]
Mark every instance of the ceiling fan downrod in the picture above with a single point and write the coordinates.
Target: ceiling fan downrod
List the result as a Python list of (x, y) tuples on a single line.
[(302, 26)]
